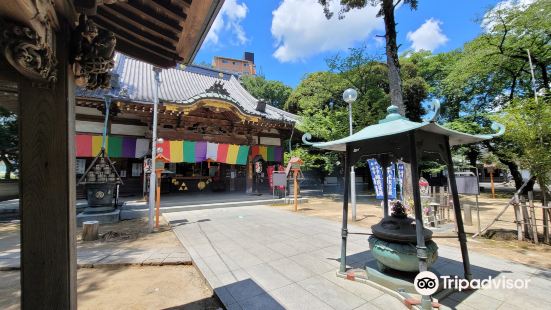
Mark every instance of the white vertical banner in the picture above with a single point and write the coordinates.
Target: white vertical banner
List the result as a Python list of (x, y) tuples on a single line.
[(212, 151)]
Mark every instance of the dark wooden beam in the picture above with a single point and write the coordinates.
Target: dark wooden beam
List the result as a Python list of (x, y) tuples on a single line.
[(169, 10), (131, 34), (48, 188), (136, 21), (131, 29), (114, 119), (182, 4), (146, 13)]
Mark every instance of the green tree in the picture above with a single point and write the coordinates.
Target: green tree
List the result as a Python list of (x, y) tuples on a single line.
[(387, 8), (275, 92), (9, 139), (528, 125), (323, 161), (489, 72), (318, 100)]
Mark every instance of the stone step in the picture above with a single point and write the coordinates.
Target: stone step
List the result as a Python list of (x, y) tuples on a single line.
[(102, 218), (132, 210)]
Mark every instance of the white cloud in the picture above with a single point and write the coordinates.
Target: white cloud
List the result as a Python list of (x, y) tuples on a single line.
[(301, 30), (228, 22), (427, 37)]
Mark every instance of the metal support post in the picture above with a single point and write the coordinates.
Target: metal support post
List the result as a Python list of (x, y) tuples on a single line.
[(419, 229), (457, 212), (344, 230)]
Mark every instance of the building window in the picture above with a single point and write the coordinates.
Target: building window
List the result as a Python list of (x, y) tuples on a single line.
[(224, 61), (245, 65), (233, 63)]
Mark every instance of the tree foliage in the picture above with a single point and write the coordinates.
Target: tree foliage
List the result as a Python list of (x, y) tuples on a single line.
[(489, 73), (386, 11), (275, 92), (318, 98), (9, 140), (312, 160), (324, 114), (529, 126)]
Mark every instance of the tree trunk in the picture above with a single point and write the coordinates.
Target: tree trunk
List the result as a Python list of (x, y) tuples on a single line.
[(472, 155), (395, 82), (544, 76), (515, 172), (90, 230)]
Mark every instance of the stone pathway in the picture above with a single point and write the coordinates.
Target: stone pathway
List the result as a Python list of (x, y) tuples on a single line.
[(264, 258), (110, 257)]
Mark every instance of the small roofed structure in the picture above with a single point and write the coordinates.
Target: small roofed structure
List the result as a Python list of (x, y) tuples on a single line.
[(397, 138)]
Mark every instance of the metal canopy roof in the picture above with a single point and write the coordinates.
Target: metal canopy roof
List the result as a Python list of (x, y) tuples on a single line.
[(395, 124)]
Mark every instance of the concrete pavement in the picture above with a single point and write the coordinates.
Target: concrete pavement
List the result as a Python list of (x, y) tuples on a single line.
[(257, 257)]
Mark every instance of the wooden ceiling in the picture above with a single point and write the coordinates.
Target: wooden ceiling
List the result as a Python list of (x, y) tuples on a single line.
[(161, 32)]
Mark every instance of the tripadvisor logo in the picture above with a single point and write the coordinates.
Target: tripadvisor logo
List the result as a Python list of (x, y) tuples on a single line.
[(427, 283)]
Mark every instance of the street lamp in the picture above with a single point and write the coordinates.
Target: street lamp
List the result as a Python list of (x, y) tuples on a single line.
[(350, 95)]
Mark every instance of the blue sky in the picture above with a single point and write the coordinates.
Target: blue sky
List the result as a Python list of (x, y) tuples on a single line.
[(291, 38)]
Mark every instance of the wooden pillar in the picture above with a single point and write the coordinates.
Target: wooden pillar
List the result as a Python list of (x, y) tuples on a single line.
[(249, 179), (233, 175), (158, 198), (295, 188), (518, 217), (47, 188)]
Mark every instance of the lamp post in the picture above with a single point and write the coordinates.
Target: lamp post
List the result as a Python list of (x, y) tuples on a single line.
[(350, 95)]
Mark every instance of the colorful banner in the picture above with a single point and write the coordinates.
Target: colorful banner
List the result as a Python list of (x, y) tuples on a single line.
[(176, 151), (232, 154), (242, 155), (200, 151), (115, 146), (377, 177), (401, 172), (189, 152), (391, 181), (212, 151), (222, 153)]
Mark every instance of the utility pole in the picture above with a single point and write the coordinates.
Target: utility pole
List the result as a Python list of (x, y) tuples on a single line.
[(152, 175)]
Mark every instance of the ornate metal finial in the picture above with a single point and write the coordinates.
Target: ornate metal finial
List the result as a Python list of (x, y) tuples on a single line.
[(435, 106), (392, 114), (500, 128), (305, 138), (218, 88), (392, 109)]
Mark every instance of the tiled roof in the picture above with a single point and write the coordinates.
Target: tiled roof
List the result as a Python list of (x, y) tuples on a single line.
[(182, 86)]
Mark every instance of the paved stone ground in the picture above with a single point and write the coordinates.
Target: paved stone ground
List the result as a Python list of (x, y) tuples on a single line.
[(263, 258), (94, 258)]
